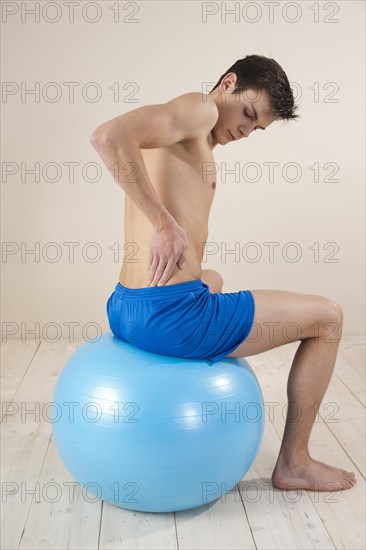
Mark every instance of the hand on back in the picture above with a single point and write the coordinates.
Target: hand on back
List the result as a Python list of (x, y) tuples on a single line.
[(167, 249)]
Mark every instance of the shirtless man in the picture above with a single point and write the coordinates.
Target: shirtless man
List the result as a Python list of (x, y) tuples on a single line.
[(162, 152)]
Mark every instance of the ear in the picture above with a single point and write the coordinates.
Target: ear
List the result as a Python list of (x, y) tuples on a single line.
[(229, 82)]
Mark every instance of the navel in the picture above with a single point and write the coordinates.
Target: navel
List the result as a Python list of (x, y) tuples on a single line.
[(213, 184)]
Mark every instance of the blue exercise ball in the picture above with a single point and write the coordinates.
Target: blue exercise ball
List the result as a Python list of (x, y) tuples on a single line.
[(155, 433)]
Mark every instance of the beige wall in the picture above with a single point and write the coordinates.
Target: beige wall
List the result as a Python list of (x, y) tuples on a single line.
[(170, 49)]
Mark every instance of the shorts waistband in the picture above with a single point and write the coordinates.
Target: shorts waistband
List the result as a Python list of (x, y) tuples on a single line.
[(162, 291)]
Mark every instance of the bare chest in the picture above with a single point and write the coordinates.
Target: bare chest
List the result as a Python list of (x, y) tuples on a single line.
[(186, 170)]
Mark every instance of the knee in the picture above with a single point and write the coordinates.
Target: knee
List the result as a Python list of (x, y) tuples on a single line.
[(335, 311)]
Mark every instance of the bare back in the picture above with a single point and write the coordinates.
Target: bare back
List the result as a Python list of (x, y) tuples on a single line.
[(177, 173)]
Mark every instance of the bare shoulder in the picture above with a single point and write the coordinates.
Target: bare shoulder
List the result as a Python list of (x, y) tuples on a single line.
[(198, 108), (186, 117)]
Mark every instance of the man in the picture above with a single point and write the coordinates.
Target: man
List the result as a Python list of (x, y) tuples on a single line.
[(164, 301)]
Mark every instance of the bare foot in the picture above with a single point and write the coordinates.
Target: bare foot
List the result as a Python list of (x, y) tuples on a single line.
[(311, 474)]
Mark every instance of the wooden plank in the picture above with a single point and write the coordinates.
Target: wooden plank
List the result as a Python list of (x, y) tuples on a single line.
[(218, 525), (356, 343), (27, 437), (65, 516), (342, 512), (351, 368), (352, 353), (16, 356), (136, 530), (351, 371)]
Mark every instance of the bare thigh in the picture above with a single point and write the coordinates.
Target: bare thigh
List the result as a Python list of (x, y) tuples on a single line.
[(282, 317)]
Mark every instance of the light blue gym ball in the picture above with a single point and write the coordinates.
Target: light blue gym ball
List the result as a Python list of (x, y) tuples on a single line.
[(155, 433)]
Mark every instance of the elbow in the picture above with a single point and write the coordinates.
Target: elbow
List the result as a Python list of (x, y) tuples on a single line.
[(107, 137), (99, 139)]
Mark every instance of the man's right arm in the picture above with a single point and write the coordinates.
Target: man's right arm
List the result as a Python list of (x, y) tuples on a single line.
[(119, 147), (119, 143)]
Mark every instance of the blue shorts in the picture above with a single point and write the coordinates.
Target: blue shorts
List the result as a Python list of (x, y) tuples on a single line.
[(181, 320)]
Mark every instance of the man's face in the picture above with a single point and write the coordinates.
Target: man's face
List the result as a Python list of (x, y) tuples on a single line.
[(237, 113)]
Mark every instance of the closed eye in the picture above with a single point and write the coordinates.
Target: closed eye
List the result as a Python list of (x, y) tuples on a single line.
[(256, 118), (248, 115)]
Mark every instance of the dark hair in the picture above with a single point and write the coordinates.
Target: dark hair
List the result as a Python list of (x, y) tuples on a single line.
[(262, 73)]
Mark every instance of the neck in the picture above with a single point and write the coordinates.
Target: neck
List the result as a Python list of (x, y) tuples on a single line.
[(212, 140)]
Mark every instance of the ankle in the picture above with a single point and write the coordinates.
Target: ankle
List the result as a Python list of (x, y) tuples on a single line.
[(292, 457)]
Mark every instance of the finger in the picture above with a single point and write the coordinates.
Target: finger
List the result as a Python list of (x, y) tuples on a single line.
[(152, 270), (167, 272), (149, 260), (158, 273), (182, 262), (153, 265)]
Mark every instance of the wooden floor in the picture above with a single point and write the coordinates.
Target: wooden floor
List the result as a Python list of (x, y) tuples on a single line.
[(254, 515)]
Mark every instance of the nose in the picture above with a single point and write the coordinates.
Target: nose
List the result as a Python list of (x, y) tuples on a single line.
[(246, 132), (243, 132)]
